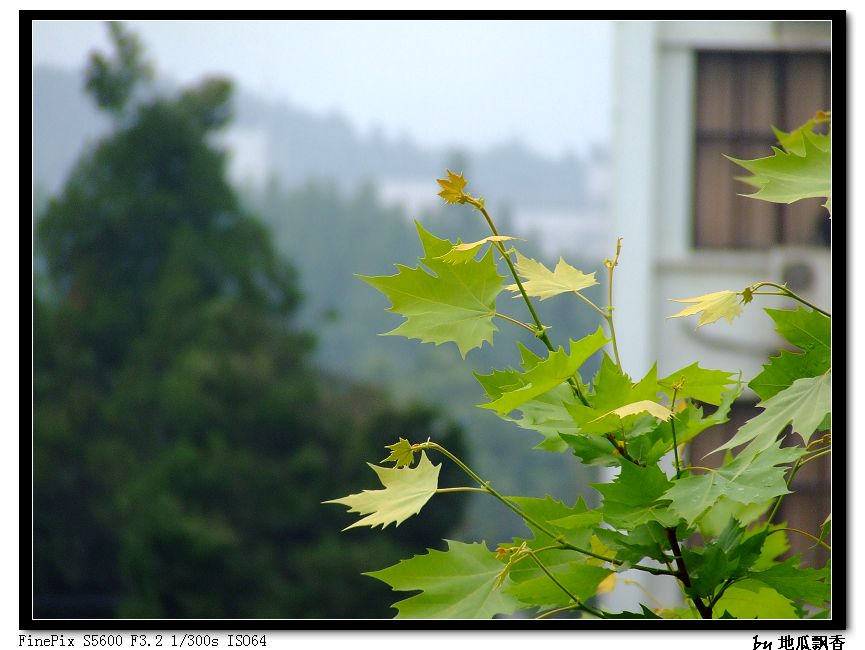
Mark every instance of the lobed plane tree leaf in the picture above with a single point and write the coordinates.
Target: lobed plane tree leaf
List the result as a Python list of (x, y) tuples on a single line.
[(796, 582), (540, 282), (802, 172), (401, 453), (462, 582), (636, 497), (698, 383), (512, 389), (711, 307), (406, 491), (453, 187), (804, 404), (613, 390), (753, 599), (463, 253), (746, 480), (447, 303)]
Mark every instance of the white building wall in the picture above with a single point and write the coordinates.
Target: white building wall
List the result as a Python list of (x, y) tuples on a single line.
[(652, 205)]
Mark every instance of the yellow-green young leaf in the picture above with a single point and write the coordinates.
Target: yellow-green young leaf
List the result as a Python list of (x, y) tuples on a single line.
[(405, 492), (711, 307), (452, 187), (455, 304), (401, 453), (462, 253), (542, 283), (789, 176), (794, 141), (643, 406)]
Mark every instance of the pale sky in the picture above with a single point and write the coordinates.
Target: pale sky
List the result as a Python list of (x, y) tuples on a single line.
[(465, 83)]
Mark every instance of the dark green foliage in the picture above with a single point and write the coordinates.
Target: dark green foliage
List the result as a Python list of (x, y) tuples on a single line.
[(183, 443), (112, 82)]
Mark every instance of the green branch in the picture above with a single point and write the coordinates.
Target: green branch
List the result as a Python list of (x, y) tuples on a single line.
[(804, 534), (611, 265), (682, 572), (578, 604), (517, 322), (752, 290), (800, 462), (541, 331)]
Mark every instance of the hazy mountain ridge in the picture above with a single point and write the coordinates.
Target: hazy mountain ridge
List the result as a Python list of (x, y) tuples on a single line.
[(299, 145)]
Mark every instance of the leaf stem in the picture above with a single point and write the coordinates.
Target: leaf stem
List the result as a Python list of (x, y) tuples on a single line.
[(673, 429), (517, 322), (727, 583), (558, 610), (541, 332), (459, 489), (785, 292), (800, 462), (803, 533), (578, 604), (611, 265)]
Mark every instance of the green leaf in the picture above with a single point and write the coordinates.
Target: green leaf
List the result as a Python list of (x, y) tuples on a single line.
[(573, 523), (401, 453), (646, 613), (634, 498), (545, 414), (751, 599), (548, 415), (806, 329), (612, 390), (591, 449), (456, 304), (794, 141), (725, 510), (796, 582), (731, 555), (544, 376), (711, 307), (781, 371), (788, 176), (540, 282), (533, 587), (458, 583), (776, 545), (647, 540), (643, 406), (452, 187), (804, 405), (746, 480), (406, 491), (698, 383), (463, 253), (826, 528), (652, 445)]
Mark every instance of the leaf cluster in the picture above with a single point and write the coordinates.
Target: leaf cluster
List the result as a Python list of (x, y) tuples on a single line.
[(710, 529)]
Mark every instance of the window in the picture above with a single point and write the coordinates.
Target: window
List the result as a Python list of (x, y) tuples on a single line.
[(739, 96)]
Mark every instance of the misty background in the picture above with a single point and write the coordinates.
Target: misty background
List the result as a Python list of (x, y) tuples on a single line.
[(335, 135)]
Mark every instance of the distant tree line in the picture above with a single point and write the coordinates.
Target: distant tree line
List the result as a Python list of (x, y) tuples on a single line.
[(183, 440)]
